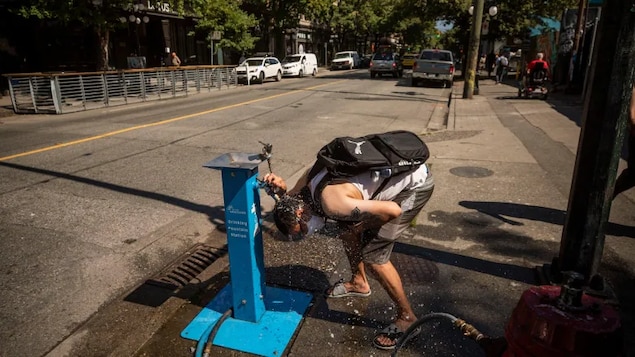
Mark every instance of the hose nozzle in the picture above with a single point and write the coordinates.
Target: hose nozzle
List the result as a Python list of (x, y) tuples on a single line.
[(469, 330), (493, 347)]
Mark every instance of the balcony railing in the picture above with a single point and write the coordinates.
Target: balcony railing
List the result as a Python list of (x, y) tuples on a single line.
[(71, 92)]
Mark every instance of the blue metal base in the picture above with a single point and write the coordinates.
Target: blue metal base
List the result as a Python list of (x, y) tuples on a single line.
[(268, 337)]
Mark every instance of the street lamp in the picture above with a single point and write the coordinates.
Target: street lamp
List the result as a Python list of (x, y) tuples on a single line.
[(475, 38), (136, 16), (493, 10)]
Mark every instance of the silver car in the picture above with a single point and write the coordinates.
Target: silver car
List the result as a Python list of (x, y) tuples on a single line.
[(385, 63)]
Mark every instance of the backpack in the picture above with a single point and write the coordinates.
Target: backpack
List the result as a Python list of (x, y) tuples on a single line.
[(384, 155), (538, 73)]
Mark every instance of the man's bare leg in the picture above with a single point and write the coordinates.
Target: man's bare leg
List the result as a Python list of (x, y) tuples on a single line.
[(353, 250), (391, 281)]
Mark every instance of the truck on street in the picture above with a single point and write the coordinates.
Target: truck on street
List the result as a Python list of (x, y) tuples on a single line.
[(433, 65)]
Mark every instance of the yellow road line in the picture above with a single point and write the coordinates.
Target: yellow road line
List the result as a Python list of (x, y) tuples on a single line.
[(167, 121)]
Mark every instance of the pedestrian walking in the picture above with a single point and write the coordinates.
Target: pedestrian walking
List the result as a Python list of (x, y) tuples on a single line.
[(502, 64), (490, 60), (174, 59)]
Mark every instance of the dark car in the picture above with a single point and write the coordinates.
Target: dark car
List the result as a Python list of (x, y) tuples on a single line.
[(365, 61), (386, 63)]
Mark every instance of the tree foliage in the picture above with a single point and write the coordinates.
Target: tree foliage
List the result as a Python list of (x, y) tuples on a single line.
[(227, 17), (101, 16), (514, 17), (240, 21), (97, 13)]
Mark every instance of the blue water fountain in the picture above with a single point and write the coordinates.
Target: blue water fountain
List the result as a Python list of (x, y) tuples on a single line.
[(264, 318)]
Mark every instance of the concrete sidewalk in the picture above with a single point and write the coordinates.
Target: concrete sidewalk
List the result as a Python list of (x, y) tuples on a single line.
[(502, 168), (6, 106)]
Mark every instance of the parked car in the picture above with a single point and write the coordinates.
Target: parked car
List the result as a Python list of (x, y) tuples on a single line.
[(299, 65), (408, 60), (434, 65), (345, 60), (260, 68), (385, 63)]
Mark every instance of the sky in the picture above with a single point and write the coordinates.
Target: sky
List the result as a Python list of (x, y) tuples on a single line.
[(442, 26)]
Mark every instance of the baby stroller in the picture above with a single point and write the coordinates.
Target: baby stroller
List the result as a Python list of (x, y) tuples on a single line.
[(535, 84)]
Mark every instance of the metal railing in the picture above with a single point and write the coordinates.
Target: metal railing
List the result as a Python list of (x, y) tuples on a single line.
[(71, 92)]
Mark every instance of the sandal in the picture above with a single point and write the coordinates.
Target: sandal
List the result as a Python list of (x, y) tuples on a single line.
[(339, 290), (394, 333)]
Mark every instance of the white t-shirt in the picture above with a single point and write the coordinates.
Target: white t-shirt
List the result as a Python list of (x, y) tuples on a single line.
[(367, 184)]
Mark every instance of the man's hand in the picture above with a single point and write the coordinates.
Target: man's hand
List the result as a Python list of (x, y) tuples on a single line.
[(277, 182)]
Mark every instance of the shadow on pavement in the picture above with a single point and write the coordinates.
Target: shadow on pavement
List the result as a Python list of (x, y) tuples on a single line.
[(216, 214), (499, 210), (507, 271)]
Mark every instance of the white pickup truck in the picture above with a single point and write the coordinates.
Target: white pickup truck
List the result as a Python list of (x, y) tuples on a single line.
[(435, 66)]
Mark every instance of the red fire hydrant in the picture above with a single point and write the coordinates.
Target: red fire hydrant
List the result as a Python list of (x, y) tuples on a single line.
[(563, 321)]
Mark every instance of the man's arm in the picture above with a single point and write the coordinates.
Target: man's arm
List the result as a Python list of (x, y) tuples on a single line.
[(302, 181), (278, 182), (344, 202)]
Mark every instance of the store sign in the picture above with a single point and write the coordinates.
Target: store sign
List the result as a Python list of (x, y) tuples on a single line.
[(160, 7)]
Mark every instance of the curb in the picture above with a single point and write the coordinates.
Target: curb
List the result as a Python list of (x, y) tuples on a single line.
[(440, 113), (451, 123)]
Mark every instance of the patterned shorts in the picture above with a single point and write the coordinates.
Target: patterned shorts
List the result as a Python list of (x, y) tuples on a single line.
[(378, 243)]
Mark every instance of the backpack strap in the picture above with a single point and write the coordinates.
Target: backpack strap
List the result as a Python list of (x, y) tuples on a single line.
[(317, 202), (317, 167), (380, 188)]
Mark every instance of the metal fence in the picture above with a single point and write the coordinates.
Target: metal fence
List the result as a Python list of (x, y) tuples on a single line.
[(71, 92)]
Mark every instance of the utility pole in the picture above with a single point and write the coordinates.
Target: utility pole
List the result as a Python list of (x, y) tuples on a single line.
[(605, 121), (472, 51), (575, 52), (580, 25)]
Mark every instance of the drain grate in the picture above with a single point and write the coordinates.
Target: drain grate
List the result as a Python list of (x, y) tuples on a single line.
[(187, 267)]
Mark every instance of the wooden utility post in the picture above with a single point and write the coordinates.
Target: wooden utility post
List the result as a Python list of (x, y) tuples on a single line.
[(575, 59), (604, 126), (472, 51), (580, 26)]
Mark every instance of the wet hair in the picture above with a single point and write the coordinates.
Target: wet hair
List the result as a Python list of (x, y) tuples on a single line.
[(284, 212)]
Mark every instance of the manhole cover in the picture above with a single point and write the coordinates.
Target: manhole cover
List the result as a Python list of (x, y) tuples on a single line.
[(414, 270), (471, 171)]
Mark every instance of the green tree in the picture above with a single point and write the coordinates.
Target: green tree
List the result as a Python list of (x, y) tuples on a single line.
[(100, 16), (277, 16), (514, 17), (227, 17)]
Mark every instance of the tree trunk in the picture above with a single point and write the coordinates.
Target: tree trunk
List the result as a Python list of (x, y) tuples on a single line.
[(103, 36)]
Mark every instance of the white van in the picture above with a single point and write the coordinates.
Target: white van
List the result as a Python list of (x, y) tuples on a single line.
[(345, 60), (300, 65)]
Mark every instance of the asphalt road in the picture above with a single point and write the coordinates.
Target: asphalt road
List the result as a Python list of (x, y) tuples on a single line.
[(93, 203)]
